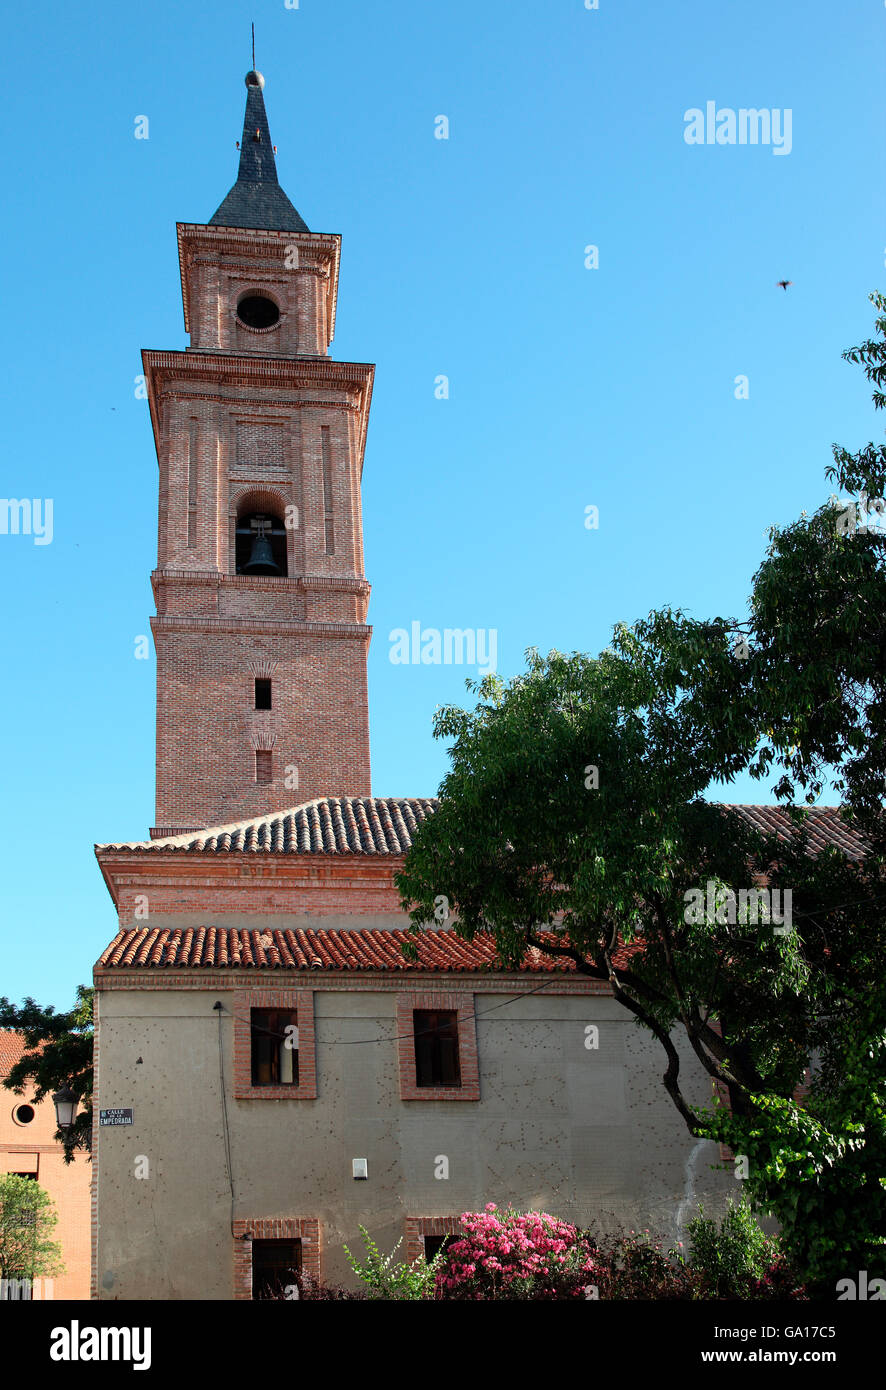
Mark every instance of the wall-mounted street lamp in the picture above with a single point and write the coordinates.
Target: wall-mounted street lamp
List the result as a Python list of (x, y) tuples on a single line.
[(65, 1103)]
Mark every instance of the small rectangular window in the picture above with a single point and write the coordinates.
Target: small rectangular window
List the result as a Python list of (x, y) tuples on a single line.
[(274, 1047), (436, 1047), (262, 693), (264, 769), (274, 1266)]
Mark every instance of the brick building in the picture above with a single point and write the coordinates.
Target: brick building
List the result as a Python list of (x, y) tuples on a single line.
[(289, 1074), (28, 1147)]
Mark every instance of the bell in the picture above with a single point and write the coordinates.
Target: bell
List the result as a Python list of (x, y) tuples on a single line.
[(261, 561)]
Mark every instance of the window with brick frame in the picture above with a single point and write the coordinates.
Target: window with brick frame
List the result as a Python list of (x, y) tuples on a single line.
[(451, 1053), (274, 1266), (249, 1235), (262, 693), (436, 1047), (425, 1234), (264, 766), (274, 1047), (293, 1009)]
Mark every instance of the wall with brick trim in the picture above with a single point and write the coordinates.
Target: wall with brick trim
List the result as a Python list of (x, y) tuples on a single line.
[(589, 1135)]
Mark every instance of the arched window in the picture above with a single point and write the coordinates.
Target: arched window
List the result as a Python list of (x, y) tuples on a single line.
[(260, 544)]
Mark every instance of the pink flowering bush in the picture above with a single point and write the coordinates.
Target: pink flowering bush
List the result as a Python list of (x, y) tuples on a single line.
[(512, 1255), (509, 1255)]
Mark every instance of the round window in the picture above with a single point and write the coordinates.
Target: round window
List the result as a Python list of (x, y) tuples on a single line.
[(23, 1114), (257, 311)]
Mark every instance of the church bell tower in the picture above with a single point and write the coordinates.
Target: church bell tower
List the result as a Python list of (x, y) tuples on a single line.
[(260, 631)]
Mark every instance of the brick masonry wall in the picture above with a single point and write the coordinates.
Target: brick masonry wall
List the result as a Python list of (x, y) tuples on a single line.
[(278, 426), (155, 885), (207, 725)]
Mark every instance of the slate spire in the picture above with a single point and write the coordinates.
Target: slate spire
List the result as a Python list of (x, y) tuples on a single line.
[(257, 200)]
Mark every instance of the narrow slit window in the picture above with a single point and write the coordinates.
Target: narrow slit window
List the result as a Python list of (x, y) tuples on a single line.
[(264, 767), (192, 485), (262, 693), (327, 490)]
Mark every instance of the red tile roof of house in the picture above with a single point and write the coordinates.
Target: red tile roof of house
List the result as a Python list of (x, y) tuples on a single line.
[(385, 826), (825, 827), (12, 1046), (329, 825), (272, 949)]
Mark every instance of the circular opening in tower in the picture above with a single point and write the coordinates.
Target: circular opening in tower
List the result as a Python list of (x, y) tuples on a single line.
[(23, 1114), (257, 311)]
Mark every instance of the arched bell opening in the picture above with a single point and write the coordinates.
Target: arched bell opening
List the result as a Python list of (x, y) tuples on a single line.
[(260, 544)]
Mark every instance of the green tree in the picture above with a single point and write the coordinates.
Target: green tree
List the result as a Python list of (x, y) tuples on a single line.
[(27, 1219), (573, 821), (58, 1053)]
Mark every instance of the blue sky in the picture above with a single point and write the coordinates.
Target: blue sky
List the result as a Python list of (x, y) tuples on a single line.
[(569, 387)]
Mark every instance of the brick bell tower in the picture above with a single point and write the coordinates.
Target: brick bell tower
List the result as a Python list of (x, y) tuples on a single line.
[(260, 631)]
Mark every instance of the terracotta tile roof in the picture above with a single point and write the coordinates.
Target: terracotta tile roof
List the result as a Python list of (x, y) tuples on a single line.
[(271, 949), (12, 1045), (385, 826), (329, 825), (825, 827)]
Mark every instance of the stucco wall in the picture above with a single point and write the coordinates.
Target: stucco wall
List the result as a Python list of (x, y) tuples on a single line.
[(32, 1148), (587, 1134)]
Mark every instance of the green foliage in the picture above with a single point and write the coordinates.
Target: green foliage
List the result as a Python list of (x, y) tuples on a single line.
[(818, 665), (27, 1219), (731, 1257), (59, 1053), (386, 1280), (573, 822), (821, 1166)]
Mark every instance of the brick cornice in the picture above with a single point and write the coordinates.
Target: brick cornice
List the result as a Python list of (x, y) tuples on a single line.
[(301, 583), (405, 983), (257, 370), (206, 869), (290, 626), (256, 407), (242, 373)]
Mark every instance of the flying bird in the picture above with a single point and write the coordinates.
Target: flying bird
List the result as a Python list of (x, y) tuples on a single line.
[(783, 284)]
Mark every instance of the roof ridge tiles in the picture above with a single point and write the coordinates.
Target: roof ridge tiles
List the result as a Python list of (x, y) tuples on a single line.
[(385, 826)]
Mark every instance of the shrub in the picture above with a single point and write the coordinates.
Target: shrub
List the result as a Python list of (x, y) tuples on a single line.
[(506, 1255), (737, 1259), (636, 1267), (386, 1280), (313, 1290)]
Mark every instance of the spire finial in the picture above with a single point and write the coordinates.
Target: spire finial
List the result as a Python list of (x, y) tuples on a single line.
[(257, 200), (253, 47)]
